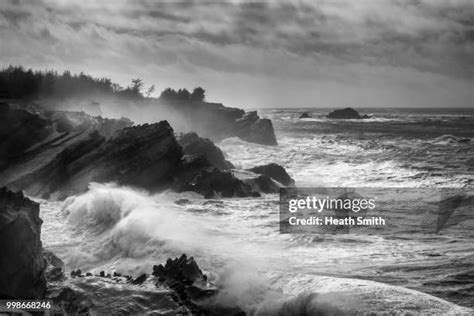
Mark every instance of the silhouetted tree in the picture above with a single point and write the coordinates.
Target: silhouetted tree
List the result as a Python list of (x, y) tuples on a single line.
[(16, 82), (150, 90), (183, 94), (198, 94), (168, 94), (116, 87), (137, 85)]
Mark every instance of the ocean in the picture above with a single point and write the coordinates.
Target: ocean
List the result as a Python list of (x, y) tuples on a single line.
[(237, 242)]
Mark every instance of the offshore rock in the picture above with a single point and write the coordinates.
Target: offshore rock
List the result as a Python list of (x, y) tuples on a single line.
[(347, 113), (21, 262), (255, 130), (216, 121)]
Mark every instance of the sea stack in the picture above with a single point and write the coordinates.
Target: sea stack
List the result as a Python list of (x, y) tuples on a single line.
[(347, 113)]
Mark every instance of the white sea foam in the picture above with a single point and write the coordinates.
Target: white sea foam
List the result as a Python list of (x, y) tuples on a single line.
[(237, 243)]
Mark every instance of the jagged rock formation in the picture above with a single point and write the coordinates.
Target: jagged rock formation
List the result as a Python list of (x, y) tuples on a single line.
[(183, 288), (213, 183), (274, 171), (21, 262), (192, 144), (347, 113), (216, 122), (304, 115), (75, 153), (145, 156), (197, 174), (181, 269), (191, 287), (29, 140)]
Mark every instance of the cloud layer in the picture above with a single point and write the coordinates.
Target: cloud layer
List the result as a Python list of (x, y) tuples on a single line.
[(278, 53)]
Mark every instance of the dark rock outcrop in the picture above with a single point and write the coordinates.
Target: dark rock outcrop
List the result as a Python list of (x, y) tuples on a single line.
[(22, 265), (347, 113), (180, 269), (212, 182), (70, 302), (19, 130), (54, 267), (216, 122), (252, 128), (304, 115), (145, 156), (191, 287), (275, 172), (192, 144), (140, 279), (197, 174), (31, 139)]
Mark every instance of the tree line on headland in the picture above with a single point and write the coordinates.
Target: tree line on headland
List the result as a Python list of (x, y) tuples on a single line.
[(17, 82)]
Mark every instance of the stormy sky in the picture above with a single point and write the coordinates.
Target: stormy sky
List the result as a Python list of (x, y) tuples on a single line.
[(327, 53)]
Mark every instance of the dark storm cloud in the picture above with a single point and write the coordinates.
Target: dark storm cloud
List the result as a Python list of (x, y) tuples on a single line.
[(326, 40), (430, 35)]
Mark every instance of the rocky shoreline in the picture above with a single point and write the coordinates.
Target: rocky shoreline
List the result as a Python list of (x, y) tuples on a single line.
[(69, 150), (34, 273)]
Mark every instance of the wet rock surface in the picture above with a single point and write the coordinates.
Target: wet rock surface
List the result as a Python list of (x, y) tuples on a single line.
[(212, 182), (178, 284), (22, 264), (191, 287)]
